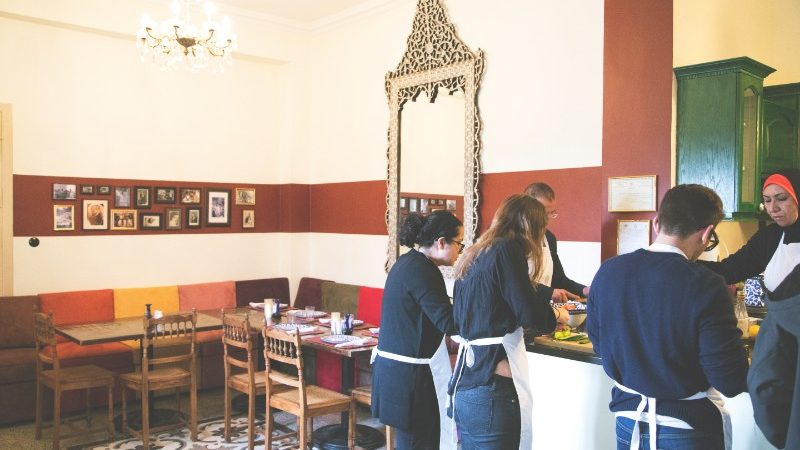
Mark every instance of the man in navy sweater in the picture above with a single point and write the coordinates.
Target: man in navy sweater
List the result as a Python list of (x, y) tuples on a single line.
[(665, 329)]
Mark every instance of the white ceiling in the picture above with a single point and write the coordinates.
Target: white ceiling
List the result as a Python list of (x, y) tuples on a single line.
[(294, 10)]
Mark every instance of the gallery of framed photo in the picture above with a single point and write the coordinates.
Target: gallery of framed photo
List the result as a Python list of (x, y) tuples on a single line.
[(190, 196), (123, 219), (103, 190), (95, 214), (151, 221), (63, 191), (122, 197), (174, 218), (245, 196), (192, 217), (87, 189), (165, 195), (218, 208), (248, 218), (63, 217), (141, 197)]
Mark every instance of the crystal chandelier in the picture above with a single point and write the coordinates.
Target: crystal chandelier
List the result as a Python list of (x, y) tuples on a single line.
[(178, 42)]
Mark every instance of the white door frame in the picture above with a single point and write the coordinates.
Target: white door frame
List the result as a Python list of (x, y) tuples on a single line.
[(6, 203)]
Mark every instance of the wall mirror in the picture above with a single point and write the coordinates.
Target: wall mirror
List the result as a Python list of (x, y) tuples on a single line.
[(434, 127)]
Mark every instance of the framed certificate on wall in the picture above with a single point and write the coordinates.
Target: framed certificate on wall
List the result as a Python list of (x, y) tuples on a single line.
[(632, 235), (626, 194)]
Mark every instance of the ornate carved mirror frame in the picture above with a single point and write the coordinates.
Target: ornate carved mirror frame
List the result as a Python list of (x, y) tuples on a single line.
[(435, 58)]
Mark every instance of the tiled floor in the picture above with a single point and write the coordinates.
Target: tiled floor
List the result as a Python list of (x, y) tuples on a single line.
[(21, 436)]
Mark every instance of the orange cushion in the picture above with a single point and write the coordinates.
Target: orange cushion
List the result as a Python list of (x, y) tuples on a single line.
[(369, 304), (131, 302), (207, 296), (71, 350), (78, 307)]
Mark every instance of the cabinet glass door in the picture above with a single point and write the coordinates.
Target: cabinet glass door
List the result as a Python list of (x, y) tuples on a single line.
[(749, 145)]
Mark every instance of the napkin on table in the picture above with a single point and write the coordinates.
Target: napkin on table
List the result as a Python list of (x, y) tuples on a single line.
[(357, 343)]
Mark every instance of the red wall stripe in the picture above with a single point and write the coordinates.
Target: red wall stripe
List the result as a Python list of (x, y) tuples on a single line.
[(348, 208), (637, 101), (293, 211)]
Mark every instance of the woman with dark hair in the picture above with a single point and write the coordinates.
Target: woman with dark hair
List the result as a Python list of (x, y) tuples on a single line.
[(774, 249), (411, 364), (494, 299)]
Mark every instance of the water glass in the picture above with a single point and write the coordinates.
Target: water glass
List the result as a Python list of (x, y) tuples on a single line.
[(309, 312)]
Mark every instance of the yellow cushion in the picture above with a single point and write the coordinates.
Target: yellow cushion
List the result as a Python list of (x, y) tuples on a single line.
[(131, 302)]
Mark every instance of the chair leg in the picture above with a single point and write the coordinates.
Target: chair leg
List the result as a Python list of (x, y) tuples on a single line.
[(227, 398), (193, 412), (124, 429), (145, 420), (39, 401), (302, 432), (251, 414), (351, 427), (111, 411), (88, 407), (269, 422), (56, 416)]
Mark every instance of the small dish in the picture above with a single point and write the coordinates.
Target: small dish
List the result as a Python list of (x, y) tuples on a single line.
[(304, 313), (375, 330), (340, 339), (292, 327)]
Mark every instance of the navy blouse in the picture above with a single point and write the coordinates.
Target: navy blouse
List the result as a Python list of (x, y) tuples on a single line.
[(493, 299)]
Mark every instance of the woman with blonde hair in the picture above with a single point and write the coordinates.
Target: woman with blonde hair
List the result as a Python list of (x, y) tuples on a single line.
[(494, 299)]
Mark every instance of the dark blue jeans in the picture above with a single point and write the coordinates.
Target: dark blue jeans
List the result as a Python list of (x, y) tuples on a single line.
[(668, 438), (488, 416)]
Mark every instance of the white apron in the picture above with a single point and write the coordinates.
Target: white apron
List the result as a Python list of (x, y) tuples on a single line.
[(653, 419), (441, 372), (514, 346), (546, 275), (784, 260)]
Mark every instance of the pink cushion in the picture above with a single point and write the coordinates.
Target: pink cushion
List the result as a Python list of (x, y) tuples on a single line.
[(78, 307), (369, 304), (207, 295)]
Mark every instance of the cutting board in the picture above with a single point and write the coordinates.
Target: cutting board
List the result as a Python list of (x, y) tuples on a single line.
[(547, 341)]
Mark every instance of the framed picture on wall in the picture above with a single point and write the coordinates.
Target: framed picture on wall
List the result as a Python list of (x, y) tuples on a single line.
[(245, 196), (122, 197), (174, 218), (413, 204), (103, 190), (192, 217), (63, 217), (63, 191), (190, 196), (218, 208), (151, 221), (123, 219), (165, 195), (87, 189), (141, 195), (95, 214), (248, 218), (451, 205)]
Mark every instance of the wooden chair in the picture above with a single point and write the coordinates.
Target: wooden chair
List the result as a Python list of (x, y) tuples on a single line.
[(172, 328), (363, 395), (65, 379), (301, 400), (238, 341)]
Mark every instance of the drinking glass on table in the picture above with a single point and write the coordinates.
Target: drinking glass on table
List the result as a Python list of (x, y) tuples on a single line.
[(309, 312)]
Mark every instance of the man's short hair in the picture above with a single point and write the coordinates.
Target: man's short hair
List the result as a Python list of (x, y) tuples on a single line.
[(687, 208), (540, 190)]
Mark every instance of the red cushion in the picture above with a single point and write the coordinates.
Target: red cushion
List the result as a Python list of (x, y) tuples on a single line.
[(369, 304), (207, 296), (71, 350), (78, 307)]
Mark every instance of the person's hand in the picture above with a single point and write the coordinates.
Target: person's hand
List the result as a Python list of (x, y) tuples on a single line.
[(561, 295), (586, 291), (562, 316)]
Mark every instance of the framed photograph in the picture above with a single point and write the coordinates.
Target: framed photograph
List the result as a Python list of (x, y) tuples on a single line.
[(63, 191), (141, 194), (192, 217), (122, 197), (123, 219), (87, 189), (150, 221), (413, 204), (103, 190), (190, 196), (248, 218), (219, 208), (174, 219), (95, 214), (403, 203), (63, 217), (451, 205), (423, 205), (165, 195), (245, 196), (627, 194)]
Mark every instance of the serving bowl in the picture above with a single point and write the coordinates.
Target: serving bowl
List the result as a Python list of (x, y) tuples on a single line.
[(576, 318)]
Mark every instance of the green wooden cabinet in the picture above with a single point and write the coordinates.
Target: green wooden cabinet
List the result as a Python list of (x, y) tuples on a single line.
[(719, 115), (781, 141)]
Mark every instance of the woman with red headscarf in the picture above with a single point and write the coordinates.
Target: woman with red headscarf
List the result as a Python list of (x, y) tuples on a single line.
[(774, 249)]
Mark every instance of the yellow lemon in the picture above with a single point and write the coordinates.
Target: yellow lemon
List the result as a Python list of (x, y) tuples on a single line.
[(754, 330)]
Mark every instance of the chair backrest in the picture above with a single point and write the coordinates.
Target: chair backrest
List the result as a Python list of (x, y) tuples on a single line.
[(286, 348), (177, 327), (45, 337), (236, 333)]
